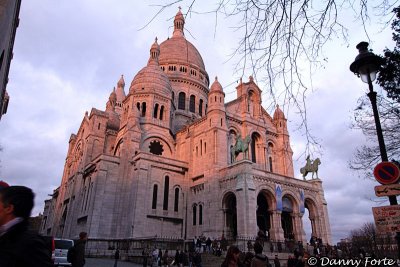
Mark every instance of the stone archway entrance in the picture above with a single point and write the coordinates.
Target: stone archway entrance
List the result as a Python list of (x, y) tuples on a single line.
[(230, 214), (286, 218), (263, 215), (313, 217)]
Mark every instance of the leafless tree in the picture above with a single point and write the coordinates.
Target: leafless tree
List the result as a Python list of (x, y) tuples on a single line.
[(367, 156), (281, 40), (366, 239)]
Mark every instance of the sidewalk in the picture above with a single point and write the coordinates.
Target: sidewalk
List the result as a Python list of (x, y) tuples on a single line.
[(93, 262)]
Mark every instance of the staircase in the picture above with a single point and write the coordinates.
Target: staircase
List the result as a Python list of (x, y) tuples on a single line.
[(210, 260)]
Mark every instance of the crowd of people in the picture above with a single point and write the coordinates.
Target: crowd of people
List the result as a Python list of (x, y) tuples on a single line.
[(234, 256)]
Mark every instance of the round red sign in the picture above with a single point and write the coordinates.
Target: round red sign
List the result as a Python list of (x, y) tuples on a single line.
[(387, 173)]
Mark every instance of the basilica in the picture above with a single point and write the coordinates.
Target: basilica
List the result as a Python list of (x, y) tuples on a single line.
[(169, 157)]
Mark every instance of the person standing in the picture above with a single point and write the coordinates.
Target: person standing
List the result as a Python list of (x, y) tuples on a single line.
[(259, 260), (20, 246), (145, 254), (232, 257), (116, 257), (277, 262), (78, 258)]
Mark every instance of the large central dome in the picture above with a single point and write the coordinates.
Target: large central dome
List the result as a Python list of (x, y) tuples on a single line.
[(178, 50)]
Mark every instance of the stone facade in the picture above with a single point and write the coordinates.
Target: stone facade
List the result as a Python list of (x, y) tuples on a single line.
[(158, 162), (9, 20)]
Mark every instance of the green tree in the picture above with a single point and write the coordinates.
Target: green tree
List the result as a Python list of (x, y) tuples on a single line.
[(389, 75)]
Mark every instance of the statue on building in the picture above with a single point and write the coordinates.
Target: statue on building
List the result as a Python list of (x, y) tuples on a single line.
[(311, 166), (241, 145)]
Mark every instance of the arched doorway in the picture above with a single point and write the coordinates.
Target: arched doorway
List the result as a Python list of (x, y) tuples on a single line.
[(263, 214), (230, 213), (286, 218), (310, 221)]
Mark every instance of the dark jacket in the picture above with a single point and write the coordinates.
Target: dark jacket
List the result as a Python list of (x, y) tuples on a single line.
[(259, 260), (20, 247), (79, 255)]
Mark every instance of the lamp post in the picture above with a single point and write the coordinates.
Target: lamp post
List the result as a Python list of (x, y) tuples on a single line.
[(366, 65)]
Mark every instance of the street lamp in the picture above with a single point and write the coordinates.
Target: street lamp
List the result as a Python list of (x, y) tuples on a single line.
[(366, 65)]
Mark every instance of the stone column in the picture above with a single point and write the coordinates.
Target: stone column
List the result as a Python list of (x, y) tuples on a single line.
[(276, 230), (299, 232)]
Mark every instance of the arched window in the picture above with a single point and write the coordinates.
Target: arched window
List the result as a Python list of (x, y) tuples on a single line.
[(155, 111), (270, 148), (201, 107), (200, 214), (161, 112), (270, 164), (201, 147), (173, 96), (166, 190), (176, 202), (143, 109), (138, 105), (181, 100), (194, 214), (253, 148), (205, 148), (192, 102), (154, 202)]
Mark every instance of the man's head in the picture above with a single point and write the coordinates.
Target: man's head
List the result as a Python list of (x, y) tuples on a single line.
[(258, 248), (83, 235), (15, 201)]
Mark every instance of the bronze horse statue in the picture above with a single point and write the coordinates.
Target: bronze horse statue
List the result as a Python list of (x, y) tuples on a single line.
[(241, 145), (311, 167)]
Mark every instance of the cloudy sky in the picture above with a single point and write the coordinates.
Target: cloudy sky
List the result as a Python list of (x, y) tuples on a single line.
[(68, 55)]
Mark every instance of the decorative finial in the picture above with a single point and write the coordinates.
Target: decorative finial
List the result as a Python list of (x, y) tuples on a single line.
[(155, 40), (216, 78), (179, 8)]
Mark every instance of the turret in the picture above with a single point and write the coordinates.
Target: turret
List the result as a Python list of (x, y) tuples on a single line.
[(216, 97), (179, 23), (285, 152), (112, 100), (120, 94)]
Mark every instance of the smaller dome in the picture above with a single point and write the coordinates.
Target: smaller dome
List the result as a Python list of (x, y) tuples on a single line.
[(216, 86), (151, 79), (278, 114)]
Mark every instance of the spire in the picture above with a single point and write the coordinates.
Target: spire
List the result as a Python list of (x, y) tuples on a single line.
[(120, 92), (154, 53), (121, 82), (179, 22), (278, 114)]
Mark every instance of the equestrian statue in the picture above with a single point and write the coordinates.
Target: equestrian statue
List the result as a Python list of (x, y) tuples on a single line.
[(241, 145), (311, 166)]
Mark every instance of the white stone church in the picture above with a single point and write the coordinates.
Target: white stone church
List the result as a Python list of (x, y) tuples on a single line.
[(170, 158)]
